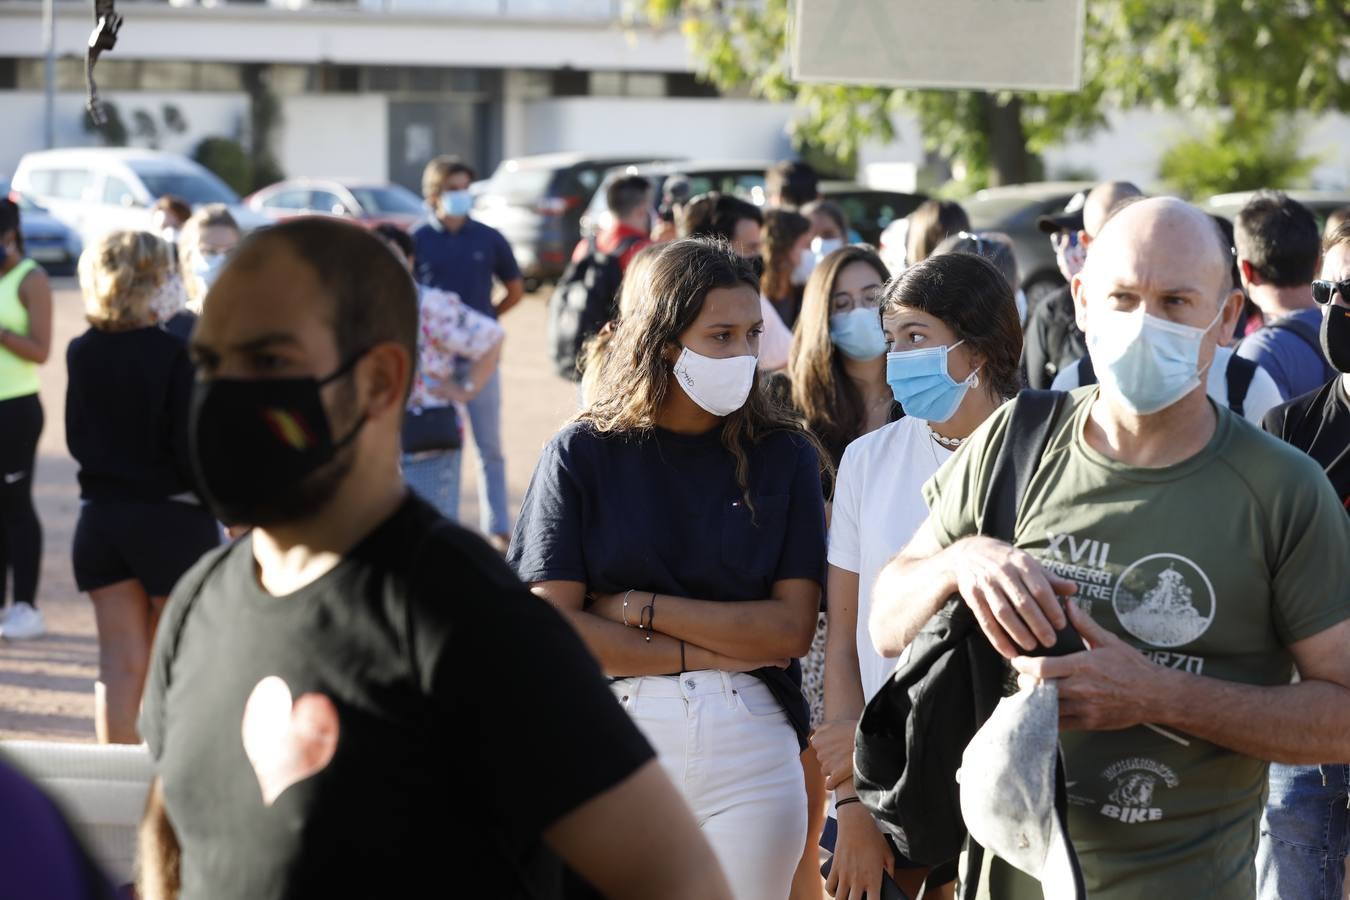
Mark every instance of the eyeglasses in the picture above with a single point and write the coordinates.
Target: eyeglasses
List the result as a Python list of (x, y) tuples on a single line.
[(1323, 291), (870, 298), (1061, 239)]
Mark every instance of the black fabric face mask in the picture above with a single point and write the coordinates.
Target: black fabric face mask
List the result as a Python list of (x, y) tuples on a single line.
[(1336, 337), (756, 265), (262, 449)]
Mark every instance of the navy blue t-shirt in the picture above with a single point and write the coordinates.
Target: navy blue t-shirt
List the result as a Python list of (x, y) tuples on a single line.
[(663, 512), (464, 261)]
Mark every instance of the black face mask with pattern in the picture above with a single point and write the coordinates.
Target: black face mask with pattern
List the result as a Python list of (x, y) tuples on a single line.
[(262, 449), (1336, 336)]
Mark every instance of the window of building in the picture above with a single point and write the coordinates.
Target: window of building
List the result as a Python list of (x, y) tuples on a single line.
[(9, 73)]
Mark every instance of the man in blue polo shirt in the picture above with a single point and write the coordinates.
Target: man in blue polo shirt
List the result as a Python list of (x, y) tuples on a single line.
[(455, 253)]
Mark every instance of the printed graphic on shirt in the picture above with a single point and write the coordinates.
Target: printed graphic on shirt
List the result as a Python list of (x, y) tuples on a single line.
[(287, 742), (1164, 600), (1134, 788)]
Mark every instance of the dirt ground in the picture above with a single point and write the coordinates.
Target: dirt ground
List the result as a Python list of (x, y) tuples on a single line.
[(47, 685)]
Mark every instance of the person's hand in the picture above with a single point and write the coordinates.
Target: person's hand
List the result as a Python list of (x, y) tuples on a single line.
[(861, 855), (1106, 687), (833, 743), (1015, 600)]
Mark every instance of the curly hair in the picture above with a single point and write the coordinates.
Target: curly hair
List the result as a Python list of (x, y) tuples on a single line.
[(635, 375), (120, 275)]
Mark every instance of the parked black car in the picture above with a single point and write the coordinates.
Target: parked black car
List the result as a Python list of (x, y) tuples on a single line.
[(537, 203)]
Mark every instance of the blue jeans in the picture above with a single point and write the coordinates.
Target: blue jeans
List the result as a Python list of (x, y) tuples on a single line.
[(1305, 833), (485, 423), (435, 478)]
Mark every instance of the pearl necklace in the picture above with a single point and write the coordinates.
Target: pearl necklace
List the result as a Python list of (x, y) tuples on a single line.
[(951, 443)]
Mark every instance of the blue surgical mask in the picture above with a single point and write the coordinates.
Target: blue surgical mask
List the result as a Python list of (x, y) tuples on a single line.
[(456, 203), (857, 333), (1147, 362), (922, 385)]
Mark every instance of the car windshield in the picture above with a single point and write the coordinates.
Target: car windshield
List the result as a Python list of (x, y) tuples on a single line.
[(392, 199), (520, 184), (992, 211), (194, 187)]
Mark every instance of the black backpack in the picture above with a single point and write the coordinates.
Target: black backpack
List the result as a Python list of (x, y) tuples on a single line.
[(1238, 377), (582, 303), (911, 735)]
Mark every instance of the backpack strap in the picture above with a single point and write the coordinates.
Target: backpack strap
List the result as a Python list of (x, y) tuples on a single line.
[(1086, 373), (1030, 425), (1238, 376), (1307, 334)]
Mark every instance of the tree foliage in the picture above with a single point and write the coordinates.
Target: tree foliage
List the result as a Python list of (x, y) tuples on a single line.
[(1255, 57), (1237, 153)]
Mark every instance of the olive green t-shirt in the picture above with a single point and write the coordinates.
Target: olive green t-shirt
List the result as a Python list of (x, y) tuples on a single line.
[(1213, 566)]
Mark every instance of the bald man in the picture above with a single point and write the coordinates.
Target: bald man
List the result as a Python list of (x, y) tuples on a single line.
[(1204, 560), (1053, 340)]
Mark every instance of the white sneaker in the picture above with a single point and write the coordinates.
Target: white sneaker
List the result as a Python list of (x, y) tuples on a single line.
[(23, 623)]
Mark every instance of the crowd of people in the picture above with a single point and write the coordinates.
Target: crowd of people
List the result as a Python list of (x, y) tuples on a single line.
[(781, 471)]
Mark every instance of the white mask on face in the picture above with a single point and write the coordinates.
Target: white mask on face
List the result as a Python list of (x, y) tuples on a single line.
[(823, 247), (719, 386), (806, 264)]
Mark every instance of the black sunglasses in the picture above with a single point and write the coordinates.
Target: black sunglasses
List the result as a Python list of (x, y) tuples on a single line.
[(1323, 291)]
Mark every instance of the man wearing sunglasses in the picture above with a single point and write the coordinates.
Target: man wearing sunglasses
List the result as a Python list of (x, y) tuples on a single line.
[(1053, 340), (1278, 246), (1306, 829)]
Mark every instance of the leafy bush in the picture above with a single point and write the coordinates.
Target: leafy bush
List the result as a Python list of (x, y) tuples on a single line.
[(226, 157), (1238, 154)]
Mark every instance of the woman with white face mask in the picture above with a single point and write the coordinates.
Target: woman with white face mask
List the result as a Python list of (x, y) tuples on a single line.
[(788, 262), (679, 524), (830, 228), (954, 343), (205, 242)]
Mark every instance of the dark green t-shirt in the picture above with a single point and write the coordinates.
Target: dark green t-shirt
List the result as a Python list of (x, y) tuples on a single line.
[(1214, 566)]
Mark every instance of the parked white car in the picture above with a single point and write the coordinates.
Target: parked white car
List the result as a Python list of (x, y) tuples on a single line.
[(95, 190)]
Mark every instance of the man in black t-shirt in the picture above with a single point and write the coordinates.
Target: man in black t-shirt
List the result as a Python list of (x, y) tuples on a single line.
[(1302, 850), (358, 699)]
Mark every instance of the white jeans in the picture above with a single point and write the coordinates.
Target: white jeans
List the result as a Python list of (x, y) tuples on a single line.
[(728, 746)]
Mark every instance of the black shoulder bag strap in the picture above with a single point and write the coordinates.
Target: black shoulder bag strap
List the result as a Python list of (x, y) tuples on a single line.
[(1086, 373), (1238, 376), (1030, 426)]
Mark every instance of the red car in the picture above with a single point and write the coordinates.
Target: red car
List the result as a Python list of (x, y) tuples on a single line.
[(366, 202)]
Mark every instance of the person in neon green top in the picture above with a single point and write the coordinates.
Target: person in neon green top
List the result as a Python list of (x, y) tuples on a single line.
[(1204, 559), (25, 341)]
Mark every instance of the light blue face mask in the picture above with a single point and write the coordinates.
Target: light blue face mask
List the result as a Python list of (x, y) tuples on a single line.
[(456, 203), (1147, 362), (921, 384), (857, 333)]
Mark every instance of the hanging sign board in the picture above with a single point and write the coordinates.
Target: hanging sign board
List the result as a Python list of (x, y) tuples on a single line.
[(1026, 45)]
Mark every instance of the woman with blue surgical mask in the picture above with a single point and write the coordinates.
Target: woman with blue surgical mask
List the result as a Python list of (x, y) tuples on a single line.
[(678, 523), (954, 343), (836, 383), (206, 241)]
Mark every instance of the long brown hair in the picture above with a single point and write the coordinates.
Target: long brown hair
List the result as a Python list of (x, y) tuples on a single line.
[(634, 377), (827, 399), (782, 229)]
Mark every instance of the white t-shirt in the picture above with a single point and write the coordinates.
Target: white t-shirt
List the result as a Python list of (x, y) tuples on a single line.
[(878, 506), (1262, 393)]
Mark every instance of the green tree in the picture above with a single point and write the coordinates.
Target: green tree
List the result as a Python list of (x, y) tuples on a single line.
[(228, 159), (1255, 57), (1237, 153)]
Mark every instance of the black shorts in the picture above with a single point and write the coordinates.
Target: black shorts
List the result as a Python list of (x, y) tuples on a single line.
[(151, 542)]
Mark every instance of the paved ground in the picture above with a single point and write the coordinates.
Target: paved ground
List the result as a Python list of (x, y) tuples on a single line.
[(47, 685)]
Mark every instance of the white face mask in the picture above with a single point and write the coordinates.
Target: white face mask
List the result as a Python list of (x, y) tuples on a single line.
[(806, 264), (822, 247), (1147, 362), (719, 386)]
